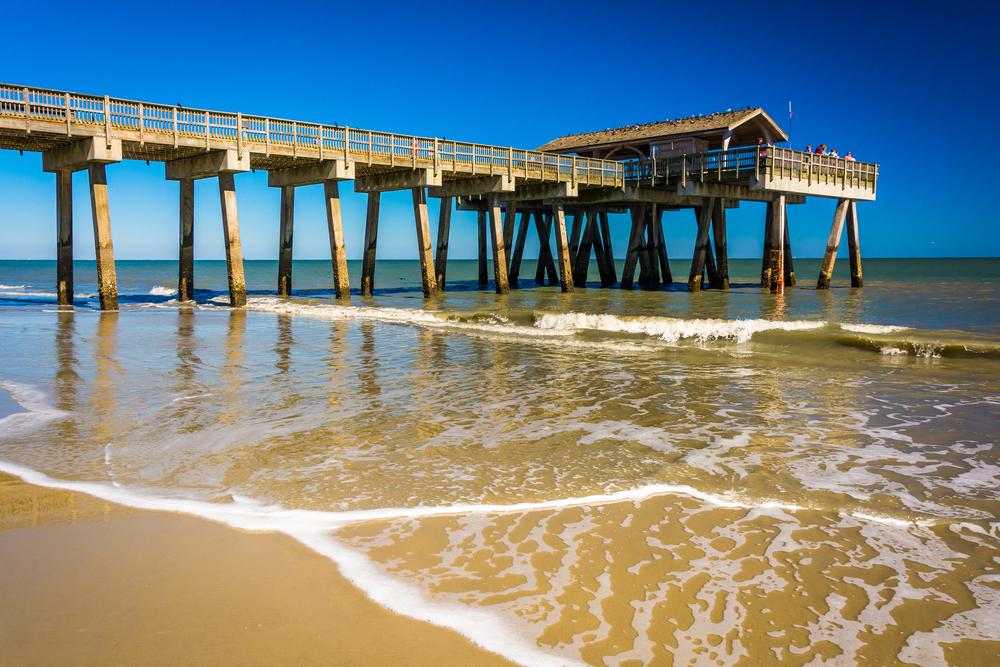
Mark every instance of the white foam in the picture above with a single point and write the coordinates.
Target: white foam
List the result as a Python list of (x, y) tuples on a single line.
[(892, 352), (38, 410), (159, 290), (11, 287), (671, 329), (871, 328)]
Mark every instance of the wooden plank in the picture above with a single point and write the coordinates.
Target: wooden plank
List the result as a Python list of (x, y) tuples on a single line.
[(234, 251), (830, 258), (427, 278), (444, 232), (371, 240), (515, 258), (499, 248), (562, 246), (854, 245), (64, 240), (721, 245), (704, 215), (285, 237), (338, 253), (638, 213)]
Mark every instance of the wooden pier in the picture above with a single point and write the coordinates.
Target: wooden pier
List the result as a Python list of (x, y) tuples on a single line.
[(699, 166)]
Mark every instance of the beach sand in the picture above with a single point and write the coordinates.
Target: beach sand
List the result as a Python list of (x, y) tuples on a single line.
[(86, 582)]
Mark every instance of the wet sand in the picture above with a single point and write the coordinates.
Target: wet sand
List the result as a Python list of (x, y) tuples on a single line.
[(85, 582)]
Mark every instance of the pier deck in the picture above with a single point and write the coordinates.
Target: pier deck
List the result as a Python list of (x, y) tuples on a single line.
[(76, 132)]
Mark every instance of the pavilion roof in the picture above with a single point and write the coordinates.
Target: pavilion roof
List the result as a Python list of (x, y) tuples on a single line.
[(693, 125)]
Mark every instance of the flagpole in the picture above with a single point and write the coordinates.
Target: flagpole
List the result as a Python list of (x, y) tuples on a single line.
[(789, 124)]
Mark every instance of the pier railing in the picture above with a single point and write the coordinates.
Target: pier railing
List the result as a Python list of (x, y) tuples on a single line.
[(166, 124), (764, 163)]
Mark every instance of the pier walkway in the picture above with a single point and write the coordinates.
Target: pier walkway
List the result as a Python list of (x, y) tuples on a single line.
[(84, 132)]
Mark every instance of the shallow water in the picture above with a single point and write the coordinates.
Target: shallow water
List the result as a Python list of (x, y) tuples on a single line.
[(607, 477)]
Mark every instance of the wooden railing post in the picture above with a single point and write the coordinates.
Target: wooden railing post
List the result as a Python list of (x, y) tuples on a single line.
[(347, 144), (24, 94), (69, 126), (107, 120)]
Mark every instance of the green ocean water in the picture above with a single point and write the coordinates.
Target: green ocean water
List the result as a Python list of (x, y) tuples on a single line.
[(601, 477)]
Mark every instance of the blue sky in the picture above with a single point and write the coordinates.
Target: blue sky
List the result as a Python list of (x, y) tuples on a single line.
[(912, 86)]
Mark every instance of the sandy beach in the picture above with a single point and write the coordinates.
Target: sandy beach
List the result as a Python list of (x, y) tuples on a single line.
[(86, 582)]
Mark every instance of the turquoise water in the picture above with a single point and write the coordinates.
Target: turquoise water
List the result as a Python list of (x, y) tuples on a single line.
[(602, 477)]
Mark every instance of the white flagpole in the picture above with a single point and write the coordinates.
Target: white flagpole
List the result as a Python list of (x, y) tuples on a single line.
[(789, 123)]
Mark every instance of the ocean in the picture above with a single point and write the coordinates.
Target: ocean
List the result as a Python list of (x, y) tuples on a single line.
[(604, 477)]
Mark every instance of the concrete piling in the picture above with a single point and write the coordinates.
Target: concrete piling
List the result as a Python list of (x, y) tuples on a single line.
[(286, 234), (231, 230), (185, 264), (515, 256), (854, 245), (481, 237), (638, 214), (338, 252), (371, 240), (721, 245), (562, 246), (107, 284), (704, 213), (64, 237), (765, 268), (661, 249), (444, 232), (427, 278), (612, 276), (499, 248), (778, 246), (832, 245), (787, 256)]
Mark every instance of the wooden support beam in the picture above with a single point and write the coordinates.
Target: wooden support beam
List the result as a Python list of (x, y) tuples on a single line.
[(789, 269), (107, 283), (765, 266), (64, 238), (661, 247), (826, 272), (427, 277), (231, 230), (515, 257), (185, 264), (338, 253), (854, 245), (638, 212), (612, 276), (704, 213), (591, 229), (721, 246), (481, 235), (600, 254), (499, 248), (562, 246), (398, 180), (371, 240), (285, 235), (778, 246), (710, 270), (444, 232)]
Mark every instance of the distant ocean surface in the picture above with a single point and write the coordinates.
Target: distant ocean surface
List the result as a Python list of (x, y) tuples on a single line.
[(604, 477)]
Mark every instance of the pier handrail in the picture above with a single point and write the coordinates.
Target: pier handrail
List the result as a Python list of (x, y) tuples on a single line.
[(765, 163), (260, 134)]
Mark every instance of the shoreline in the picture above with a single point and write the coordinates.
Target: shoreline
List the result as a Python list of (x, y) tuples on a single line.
[(92, 582)]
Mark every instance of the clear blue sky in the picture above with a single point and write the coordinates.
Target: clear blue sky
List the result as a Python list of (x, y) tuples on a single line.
[(912, 86)]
